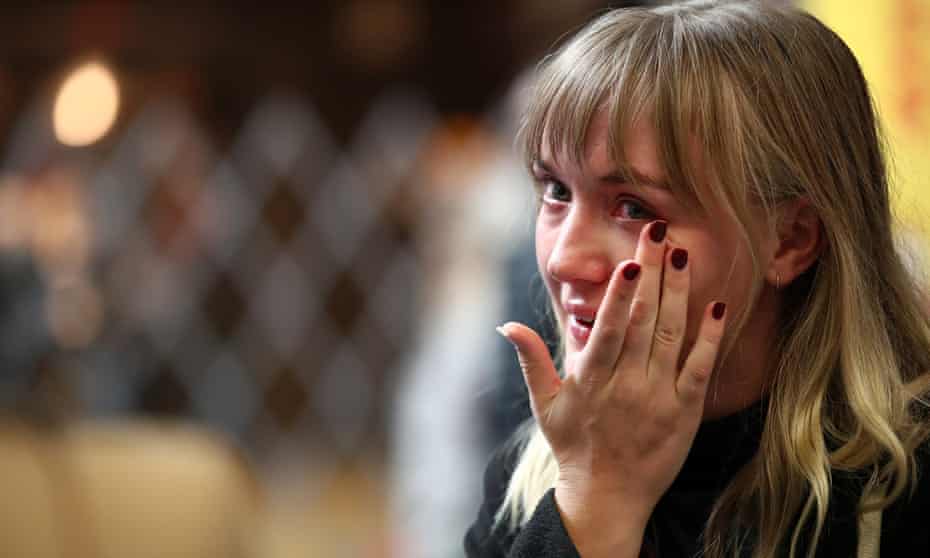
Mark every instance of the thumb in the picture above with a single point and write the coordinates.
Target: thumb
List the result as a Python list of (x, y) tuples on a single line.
[(539, 372)]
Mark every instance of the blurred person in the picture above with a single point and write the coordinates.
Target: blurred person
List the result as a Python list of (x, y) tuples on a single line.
[(440, 439), (94, 489), (24, 339), (744, 356), (522, 292)]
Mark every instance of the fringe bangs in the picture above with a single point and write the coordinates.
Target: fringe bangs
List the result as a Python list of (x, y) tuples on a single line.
[(630, 75)]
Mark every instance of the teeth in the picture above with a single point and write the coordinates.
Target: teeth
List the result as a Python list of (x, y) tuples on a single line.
[(584, 322)]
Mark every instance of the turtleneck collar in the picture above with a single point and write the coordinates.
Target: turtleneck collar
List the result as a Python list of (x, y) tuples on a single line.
[(721, 447)]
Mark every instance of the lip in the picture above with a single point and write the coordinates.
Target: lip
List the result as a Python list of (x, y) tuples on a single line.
[(579, 332), (577, 314)]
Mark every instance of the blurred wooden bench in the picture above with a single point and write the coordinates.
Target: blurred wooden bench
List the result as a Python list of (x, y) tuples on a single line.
[(139, 489)]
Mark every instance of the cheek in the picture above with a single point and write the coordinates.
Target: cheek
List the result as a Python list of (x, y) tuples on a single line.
[(545, 242), (710, 282), (718, 277)]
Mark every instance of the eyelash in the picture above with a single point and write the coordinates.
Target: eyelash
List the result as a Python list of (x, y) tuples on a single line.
[(546, 184)]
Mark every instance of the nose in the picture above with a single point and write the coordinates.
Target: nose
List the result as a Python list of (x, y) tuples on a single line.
[(582, 251)]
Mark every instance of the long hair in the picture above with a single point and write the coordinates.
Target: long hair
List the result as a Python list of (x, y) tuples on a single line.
[(780, 111)]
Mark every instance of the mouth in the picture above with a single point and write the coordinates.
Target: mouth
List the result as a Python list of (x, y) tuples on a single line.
[(579, 329), (588, 323)]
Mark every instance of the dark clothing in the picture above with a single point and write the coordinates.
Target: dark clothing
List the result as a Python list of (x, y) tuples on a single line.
[(720, 449)]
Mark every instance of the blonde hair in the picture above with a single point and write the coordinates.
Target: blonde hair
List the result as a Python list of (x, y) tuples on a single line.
[(781, 111)]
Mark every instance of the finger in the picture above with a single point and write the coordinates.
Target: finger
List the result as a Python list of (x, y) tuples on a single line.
[(694, 377), (610, 325), (650, 253), (539, 373), (673, 317)]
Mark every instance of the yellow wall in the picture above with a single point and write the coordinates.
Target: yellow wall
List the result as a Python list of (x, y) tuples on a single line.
[(891, 39)]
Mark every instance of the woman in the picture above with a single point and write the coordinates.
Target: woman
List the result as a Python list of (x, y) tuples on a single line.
[(745, 357)]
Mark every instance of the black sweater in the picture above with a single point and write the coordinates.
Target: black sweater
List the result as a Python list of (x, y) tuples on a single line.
[(720, 449)]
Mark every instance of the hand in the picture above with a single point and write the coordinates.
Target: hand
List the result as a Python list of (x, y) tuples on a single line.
[(621, 424)]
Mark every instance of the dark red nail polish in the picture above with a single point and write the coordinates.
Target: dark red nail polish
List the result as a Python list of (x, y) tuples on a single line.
[(679, 258), (719, 309), (657, 231), (631, 271)]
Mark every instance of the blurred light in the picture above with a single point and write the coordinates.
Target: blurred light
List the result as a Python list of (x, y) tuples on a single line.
[(60, 229), (74, 310), (85, 108), (380, 34)]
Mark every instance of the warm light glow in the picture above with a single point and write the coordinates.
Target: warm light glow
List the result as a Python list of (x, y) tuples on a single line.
[(86, 105)]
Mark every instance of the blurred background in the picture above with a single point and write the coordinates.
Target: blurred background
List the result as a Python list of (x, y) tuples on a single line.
[(252, 256)]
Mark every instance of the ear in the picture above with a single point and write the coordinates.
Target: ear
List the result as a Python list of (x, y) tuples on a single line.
[(798, 244)]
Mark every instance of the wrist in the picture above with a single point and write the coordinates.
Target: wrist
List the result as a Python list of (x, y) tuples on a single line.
[(602, 524)]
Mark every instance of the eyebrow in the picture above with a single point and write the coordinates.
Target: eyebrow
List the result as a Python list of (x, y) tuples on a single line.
[(615, 177)]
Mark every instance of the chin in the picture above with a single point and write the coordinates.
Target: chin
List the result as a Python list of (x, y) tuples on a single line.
[(721, 402)]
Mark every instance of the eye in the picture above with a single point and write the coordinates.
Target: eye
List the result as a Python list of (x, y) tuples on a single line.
[(632, 210), (555, 191)]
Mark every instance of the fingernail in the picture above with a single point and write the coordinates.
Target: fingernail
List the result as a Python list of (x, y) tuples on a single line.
[(500, 329), (719, 309), (679, 258), (631, 271), (657, 231)]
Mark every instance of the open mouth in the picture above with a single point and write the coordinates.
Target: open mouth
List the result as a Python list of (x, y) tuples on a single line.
[(583, 322)]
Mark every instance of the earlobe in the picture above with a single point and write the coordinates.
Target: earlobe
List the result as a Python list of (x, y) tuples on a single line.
[(799, 242)]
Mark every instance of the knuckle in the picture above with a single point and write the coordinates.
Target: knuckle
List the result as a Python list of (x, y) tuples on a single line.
[(668, 335), (700, 374), (691, 390), (666, 421), (587, 384), (713, 339)]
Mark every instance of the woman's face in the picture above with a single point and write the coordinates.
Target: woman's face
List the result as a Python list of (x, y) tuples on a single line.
[(590, 220)]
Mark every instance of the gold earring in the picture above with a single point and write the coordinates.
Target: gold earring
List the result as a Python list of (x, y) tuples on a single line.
[(777, 281)]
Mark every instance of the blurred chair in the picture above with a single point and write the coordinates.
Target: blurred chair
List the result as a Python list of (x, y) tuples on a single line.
[(134, 489)]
